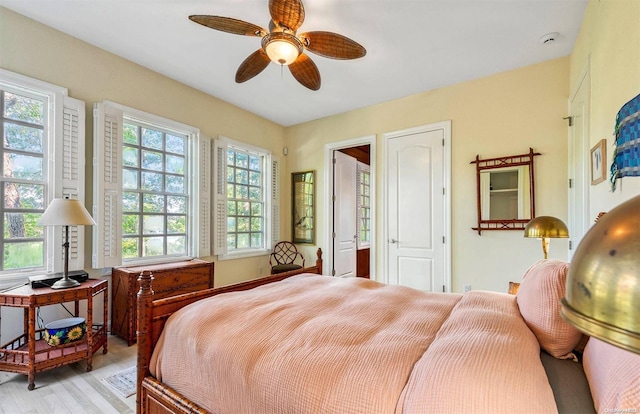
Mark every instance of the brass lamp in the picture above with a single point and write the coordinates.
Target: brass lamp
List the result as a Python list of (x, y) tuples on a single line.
[(603, 283), (545, 228), (65, 212)]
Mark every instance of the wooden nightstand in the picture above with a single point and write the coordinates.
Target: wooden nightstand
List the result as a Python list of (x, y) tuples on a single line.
[(29, 353)]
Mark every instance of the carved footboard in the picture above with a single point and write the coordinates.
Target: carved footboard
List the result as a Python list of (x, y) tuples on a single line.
[(153, 396)]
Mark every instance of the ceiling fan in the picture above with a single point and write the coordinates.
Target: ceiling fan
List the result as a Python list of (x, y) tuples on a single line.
[(281, 44)]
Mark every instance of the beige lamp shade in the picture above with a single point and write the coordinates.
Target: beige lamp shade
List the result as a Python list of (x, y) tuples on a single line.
[(66, 212), (603, 283)]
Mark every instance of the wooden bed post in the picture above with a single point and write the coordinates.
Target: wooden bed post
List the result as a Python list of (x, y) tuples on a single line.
[(145, 297), (319, 260)]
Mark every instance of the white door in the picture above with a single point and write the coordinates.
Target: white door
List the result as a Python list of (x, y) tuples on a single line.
[(415, 208), (579, 164), (344, 210)]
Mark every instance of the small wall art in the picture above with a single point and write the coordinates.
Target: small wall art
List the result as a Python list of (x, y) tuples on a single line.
[(598, 158)]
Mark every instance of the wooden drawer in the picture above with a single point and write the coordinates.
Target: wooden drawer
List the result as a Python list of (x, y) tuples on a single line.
[(175, 282), (169, 280)]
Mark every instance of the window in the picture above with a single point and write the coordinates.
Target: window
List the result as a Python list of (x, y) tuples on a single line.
[(23, 179), (364, 206), (42, 156), (154, 192), (246, 213), (245, 200), (149, 208)]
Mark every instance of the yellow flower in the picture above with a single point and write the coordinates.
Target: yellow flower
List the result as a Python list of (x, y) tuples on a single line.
[(53, 340), (75, 334)]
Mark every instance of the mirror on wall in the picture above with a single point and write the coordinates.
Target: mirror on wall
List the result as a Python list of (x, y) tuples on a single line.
[(303, 206), (506, 199)]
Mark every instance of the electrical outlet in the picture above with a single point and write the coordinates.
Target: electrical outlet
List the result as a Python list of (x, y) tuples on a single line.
[(261, 269), (466, 288)]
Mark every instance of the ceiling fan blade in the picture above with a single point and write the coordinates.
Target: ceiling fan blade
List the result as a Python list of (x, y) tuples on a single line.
[(254, 64), (332, 45), (229, 25), (287, 13), (306, 72)]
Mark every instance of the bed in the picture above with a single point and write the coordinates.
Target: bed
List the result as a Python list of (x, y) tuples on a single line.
[(301, 342)]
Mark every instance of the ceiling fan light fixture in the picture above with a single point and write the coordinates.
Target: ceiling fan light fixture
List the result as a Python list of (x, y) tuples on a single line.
[(282, 48)]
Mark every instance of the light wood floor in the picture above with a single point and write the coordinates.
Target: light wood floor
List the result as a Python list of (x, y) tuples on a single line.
[(71, 389)]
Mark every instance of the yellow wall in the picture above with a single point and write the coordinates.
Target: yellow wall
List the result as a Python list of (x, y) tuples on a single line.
[(609, 44), (94, 75), (495, 116)]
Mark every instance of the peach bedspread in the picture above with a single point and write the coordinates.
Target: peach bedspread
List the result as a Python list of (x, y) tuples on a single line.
[(316, 344)]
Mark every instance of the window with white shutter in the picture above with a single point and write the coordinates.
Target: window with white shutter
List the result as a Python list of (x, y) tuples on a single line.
[(246, 194), (151, 188), (42, 159)]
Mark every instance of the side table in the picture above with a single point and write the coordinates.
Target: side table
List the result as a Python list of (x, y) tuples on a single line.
[(29, 353)]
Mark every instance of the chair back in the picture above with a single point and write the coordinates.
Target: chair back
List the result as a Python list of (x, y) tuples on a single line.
[(283, 257)]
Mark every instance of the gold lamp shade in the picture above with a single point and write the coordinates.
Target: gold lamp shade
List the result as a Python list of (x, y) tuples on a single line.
[(545, 228), (603, 283)]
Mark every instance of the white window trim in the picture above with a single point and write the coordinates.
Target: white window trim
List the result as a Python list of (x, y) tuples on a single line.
[(58, 184), (271, 191), (198, 182)]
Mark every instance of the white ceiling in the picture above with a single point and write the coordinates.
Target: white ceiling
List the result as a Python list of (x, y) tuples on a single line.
[(412, 46)]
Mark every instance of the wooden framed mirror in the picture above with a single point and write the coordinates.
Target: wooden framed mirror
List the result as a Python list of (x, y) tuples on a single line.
[(303, 206), (506, 192)]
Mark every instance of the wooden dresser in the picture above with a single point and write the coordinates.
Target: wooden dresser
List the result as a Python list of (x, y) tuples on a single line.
[(169, 279)]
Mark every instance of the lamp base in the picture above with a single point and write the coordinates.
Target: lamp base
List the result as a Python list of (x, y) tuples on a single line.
[(65, 283)]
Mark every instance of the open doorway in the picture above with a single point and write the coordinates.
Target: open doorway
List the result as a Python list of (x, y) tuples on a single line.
[(350, 223)]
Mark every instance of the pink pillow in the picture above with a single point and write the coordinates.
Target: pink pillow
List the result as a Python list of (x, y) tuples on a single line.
[(539, 296), (614, 377)]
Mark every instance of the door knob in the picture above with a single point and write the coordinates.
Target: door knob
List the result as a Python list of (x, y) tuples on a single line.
[(393, 241)]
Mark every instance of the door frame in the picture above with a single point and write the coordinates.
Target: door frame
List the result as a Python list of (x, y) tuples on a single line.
[(446, 127), (328, 190), (578, 210)]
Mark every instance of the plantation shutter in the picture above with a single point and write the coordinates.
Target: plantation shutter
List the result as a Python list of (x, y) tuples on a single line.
[(220, 198), (275, 201), (69, 168), (204, 196), (107, 185)]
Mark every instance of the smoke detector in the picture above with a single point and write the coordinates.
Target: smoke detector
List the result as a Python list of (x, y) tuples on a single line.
[(549, 38)]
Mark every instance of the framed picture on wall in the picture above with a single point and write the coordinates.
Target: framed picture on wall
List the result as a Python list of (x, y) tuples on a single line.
[(598, 159), (303, 207)]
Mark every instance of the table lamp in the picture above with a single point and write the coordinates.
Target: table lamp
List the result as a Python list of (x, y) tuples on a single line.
[(545, 228), (65, 212), (603, 283)]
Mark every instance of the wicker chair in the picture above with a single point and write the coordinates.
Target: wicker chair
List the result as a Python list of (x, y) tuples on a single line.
[(284, 257)]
